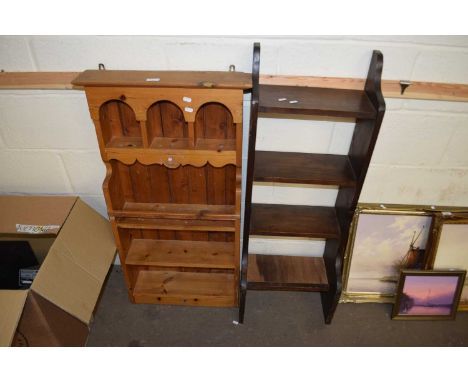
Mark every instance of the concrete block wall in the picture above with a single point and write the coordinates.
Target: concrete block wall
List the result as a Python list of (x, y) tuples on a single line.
[(48, 144)]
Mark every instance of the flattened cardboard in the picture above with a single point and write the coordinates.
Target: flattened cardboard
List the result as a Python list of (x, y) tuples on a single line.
[(77, 264), (34, 210), (11, 303)]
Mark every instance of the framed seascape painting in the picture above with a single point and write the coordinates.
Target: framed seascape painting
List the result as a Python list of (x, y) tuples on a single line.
[(428, 295), (450, 249), (383, 241)]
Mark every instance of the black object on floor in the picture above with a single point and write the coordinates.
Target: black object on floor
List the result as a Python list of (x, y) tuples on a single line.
[(272, 319), (13, 256)]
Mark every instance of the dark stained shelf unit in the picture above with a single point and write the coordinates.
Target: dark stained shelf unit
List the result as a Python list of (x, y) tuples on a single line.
[(315, 101), (295, 221), (287, 273), (285, 167), (346, 172)]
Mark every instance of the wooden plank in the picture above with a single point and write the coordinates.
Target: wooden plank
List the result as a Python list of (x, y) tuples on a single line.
[(313, 81), (140, 182), (197, 185), (125, 142), (177, 224), (295, 221), (123, 181), (438, 91), (37, 80), (176, 211), (285, 167), (178, 79), (391, 88), (181, 253), (185, 288), (286, 273), (315, 101), (426, 91), (218, 145), (249, 178)]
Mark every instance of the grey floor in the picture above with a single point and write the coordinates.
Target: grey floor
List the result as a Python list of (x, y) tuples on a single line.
[(271, 319)]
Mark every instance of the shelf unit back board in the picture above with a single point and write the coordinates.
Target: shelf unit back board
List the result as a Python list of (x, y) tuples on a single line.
[(172, 146), (347, 172)]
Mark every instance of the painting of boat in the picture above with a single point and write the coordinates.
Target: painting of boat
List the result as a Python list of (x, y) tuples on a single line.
[(383, 246)]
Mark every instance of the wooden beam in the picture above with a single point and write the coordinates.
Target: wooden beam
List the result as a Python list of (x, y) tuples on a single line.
[(391, 88), (38, 80)]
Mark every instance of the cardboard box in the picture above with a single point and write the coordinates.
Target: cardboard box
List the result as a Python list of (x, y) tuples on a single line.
[(75, 247)]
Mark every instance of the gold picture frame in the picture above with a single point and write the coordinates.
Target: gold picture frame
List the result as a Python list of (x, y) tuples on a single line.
[(450, 243), (350, 294)]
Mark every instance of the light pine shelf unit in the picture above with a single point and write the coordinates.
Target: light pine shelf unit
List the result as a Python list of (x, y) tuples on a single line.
[(172, 146), (347, 172)]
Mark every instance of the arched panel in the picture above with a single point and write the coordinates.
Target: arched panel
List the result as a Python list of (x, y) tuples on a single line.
[(165, 120), (214, 121), (118, 125)]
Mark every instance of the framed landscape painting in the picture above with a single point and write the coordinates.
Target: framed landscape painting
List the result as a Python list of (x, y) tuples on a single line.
[(450, 250), (428, 295), (384, 241)]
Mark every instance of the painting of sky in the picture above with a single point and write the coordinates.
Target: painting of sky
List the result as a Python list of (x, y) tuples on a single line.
[(434, 290), (380, 242), (432, 295)]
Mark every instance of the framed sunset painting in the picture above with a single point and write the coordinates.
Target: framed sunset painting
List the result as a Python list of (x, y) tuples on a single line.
[(428, 295), (384, 241)]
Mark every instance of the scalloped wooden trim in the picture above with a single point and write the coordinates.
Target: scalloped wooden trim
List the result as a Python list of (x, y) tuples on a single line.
[(105, 185), (197, 159)]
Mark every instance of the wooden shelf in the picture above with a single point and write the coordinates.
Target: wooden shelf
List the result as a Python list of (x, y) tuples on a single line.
[(346, 172), (185, 288), (296, 221), (287, 273), (285, 167), (177, 224), (173, 79), (181, 253), (172, 145), (176, 211), (125, 142), (218, 145), (315, 101)]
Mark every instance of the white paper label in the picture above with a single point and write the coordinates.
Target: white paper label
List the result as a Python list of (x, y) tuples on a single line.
[(188, 110), (186, 99), (34, 229), (294, 101), (282, 99), (156, 79), (446, 213)]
